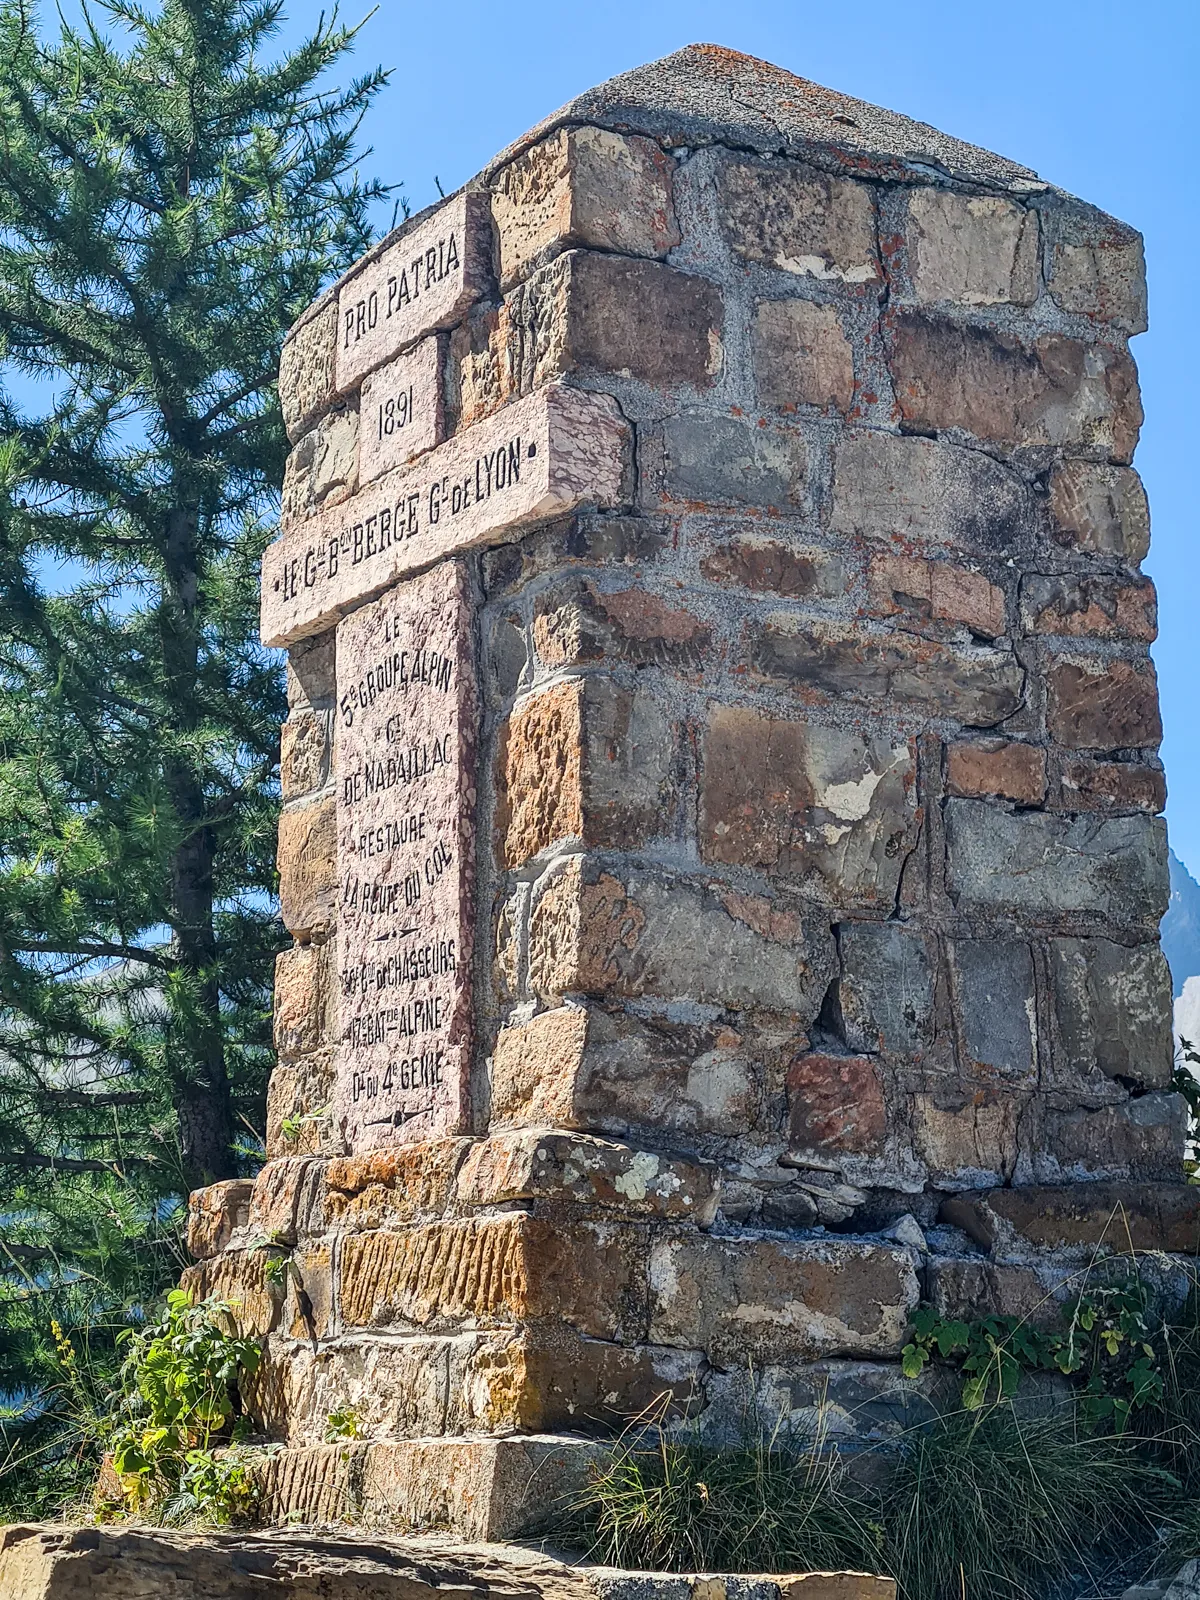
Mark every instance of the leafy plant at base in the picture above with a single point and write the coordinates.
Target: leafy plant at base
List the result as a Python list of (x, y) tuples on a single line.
[(1110, 1343), (181, 1400), (171, 199)]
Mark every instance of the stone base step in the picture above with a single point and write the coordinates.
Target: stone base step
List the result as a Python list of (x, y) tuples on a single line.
[(477, 1488), (117, 1563)]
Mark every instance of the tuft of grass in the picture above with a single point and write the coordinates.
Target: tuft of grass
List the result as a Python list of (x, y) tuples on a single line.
[(767, 1506), (988, 1503)]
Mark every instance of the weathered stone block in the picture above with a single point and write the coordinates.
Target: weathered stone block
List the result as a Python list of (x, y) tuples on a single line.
[(310, 672), (1039, 865), (1000, 767), (1112, 1005), (306, 363), (808, 802), (304, 999), (654, 934), (836, 1105), (299, 1109), (583, 186), (1103, 705), (422, 277), (885, 994), (996, 1004), (976, 685), (1137, 1216), (589, 1275), (1097, 267), (1143, 1138), (323, 467), (772, 1299), (1102, 509), (391, 1187), (595, 1067), (305, 753), (544, 1165), (307, 866), (1112, 786), (800, 220), (580, 622), (767, 566), (1057, 391), (909, 587), (802, 356), (968, 1137), (281, 1191), (888, 484), (730, 461), (588, 313), (239, 1277), (1094, 606), (584, 759), (973, 250), (970, 1290), (214, 1215), (402, 409)]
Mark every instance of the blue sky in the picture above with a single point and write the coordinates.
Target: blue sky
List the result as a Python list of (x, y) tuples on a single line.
[(1091, 94)]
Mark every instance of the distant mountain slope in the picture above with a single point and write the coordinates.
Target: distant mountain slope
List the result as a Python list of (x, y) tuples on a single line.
[(1180, 928)]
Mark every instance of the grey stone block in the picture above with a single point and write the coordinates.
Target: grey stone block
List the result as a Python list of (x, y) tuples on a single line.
[(1113, 1009), (1032, 862), (995, 996), (886, 989)]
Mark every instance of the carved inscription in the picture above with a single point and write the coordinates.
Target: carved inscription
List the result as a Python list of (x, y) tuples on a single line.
[(402, 414), (425, 280), (405, 799), (539, 457)]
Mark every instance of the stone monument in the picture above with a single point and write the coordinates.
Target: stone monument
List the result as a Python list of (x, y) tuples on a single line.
[(721, 829)]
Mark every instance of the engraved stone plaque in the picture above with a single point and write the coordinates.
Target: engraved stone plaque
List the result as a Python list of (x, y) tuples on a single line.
[(540, 457), (426, 280), (402, 414), (405, 800)]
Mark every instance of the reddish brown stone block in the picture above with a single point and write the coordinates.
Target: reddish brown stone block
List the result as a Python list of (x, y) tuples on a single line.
[(808, 802), (1096, 705), (540, 773), (1101, 509), (836, 1103), (1112, 786), (899, 585), (214, 1213), (498, 1269), (304, 999), (1096, 607), (999, 767), (1056, 391), (769, 567), (588, 623)]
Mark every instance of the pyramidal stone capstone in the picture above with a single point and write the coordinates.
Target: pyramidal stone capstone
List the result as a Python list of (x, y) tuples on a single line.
[(722, 834)]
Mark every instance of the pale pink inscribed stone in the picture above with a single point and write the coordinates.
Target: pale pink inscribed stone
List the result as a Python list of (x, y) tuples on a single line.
[(539, 457), (405, 760), (401, 414), (423, 280)]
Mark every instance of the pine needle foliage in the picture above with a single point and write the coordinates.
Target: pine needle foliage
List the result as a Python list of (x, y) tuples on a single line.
[(173, 193)]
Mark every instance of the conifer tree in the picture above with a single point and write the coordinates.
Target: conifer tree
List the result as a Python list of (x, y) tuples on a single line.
[(170, 201)]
